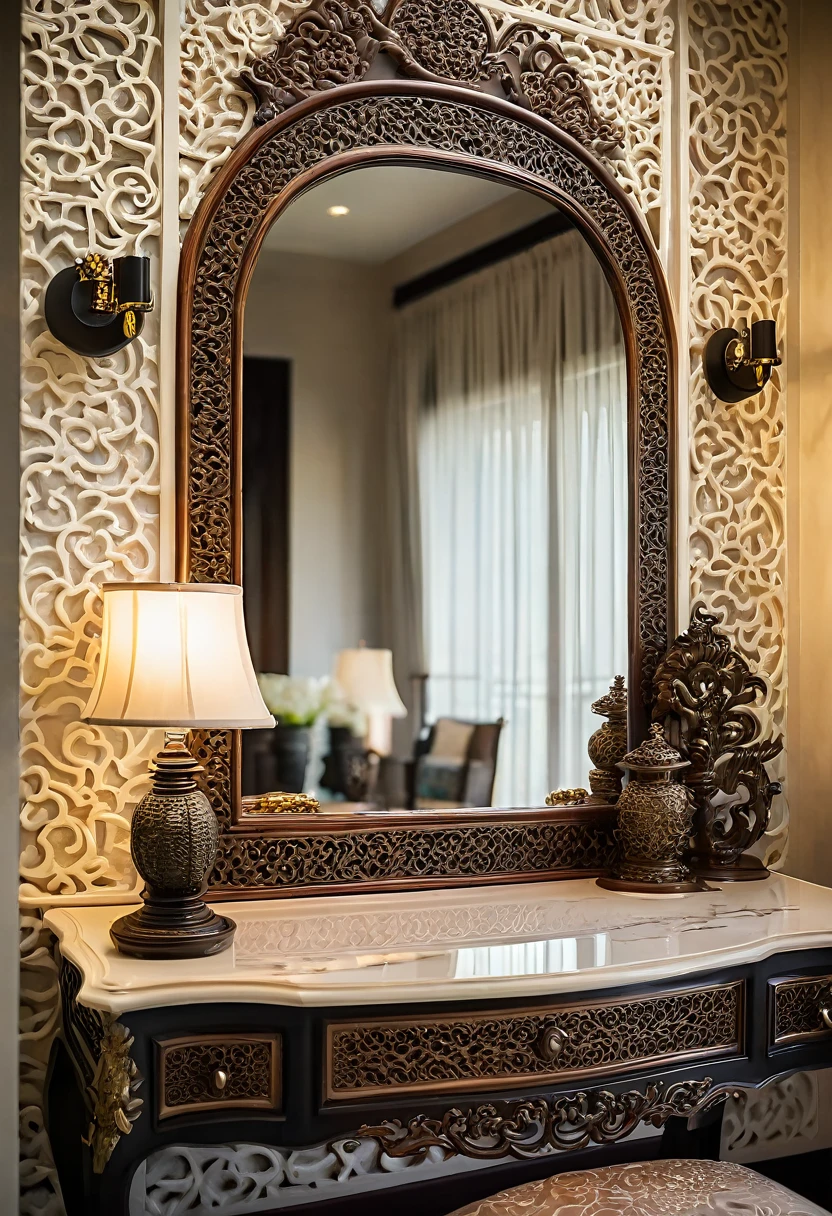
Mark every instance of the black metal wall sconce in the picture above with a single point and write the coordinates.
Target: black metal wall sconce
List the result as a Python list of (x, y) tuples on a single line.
[(97, 306), (738, 365)]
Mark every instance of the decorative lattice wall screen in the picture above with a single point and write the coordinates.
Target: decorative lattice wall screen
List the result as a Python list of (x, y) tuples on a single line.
[(92, 177), (737, 242)]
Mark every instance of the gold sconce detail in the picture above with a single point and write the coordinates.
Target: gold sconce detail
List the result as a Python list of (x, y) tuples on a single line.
[(98, 270), (738, 364), (97, 306)]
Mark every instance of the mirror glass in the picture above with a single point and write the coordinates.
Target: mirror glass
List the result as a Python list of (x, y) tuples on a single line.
[(435, 497)]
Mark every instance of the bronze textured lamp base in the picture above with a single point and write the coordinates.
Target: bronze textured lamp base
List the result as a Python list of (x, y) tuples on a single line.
[(651, 888), (178, 927), (173, 843), (744, 869)]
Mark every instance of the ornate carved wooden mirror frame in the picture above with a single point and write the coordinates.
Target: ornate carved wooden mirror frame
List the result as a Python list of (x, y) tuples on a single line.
[(437, 111)]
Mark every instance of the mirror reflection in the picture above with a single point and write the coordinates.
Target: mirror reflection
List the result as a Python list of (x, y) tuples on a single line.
[(434, 493)]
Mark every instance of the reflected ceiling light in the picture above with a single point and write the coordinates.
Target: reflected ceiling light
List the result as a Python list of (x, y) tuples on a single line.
[(338, 209)]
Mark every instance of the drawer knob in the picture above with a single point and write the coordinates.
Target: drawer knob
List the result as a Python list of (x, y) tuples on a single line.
[(827, 1016), (220, 1079), (550, 1043)]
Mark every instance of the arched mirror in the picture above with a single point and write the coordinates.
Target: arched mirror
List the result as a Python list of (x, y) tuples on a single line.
[(426, 419), (434, 493)]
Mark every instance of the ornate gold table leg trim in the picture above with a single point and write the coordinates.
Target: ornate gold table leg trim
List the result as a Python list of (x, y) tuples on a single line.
[(113, 1093), (531, 1126)]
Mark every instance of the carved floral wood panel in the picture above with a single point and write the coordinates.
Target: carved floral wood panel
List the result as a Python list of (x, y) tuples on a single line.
[(738, 226)]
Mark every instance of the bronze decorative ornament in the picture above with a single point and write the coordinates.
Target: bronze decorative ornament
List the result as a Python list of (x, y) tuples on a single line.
[(655, 814), (706, 690), (115, 1105), (335, 42), (608, 744), (529, 1126), (281, 804), (572, 797)]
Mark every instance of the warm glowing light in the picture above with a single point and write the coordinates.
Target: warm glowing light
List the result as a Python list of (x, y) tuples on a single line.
[(339, 209), (175, 655)]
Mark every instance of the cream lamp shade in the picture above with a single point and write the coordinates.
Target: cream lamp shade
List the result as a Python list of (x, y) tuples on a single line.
[(365, 677), (175, 655)]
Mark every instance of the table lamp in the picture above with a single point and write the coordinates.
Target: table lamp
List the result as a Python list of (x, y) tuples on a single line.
[(174, 655), (365, 677)]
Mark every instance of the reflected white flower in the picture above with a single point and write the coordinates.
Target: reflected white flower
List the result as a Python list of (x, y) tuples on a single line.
[(295, 700)]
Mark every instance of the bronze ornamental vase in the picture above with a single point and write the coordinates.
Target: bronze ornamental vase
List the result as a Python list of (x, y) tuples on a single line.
[(608, 745), (655, 816)]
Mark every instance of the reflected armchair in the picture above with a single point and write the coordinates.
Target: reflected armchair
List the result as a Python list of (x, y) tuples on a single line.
[(455, 764)]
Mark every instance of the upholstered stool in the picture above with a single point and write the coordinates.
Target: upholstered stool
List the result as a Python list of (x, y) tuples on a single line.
[(651, 1188)]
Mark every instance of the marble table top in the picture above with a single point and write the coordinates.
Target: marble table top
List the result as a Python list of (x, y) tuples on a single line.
[(472, 943)]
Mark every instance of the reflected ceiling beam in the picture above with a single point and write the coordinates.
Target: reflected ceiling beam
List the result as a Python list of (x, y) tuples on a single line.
[(487, 255)]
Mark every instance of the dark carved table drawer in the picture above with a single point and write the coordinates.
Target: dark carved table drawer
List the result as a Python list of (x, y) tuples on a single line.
[(478, 1051), (219, 1072), (800, 1010)]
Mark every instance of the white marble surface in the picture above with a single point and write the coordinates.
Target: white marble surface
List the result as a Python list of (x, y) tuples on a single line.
[(475, 943)]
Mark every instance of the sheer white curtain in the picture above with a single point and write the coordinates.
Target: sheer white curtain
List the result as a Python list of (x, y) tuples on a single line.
[(511, 442)]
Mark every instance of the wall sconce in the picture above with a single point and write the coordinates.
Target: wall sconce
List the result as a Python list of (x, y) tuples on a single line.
[(97, 306), (738, 365)]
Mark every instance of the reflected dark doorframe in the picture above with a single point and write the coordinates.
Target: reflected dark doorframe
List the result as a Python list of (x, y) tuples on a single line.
[(266, 437)]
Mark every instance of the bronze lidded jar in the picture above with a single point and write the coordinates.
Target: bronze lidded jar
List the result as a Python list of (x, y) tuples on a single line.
[(609, 743), (655, 814)]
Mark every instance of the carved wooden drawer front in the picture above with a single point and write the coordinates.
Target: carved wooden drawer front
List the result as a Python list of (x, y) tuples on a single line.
[(478, 1051), (219, 1072), (799, 1010)]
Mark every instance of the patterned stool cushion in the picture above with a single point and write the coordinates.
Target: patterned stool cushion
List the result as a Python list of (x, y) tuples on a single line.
[(650, 1188)]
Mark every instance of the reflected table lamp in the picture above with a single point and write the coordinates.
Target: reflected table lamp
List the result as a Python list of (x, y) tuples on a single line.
[(365, 677), (174, 655)]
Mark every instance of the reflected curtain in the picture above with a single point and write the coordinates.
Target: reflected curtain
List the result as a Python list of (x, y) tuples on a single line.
[(510, 425)]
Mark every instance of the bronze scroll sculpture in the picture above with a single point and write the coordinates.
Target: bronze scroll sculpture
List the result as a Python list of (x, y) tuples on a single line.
[(707, 690)]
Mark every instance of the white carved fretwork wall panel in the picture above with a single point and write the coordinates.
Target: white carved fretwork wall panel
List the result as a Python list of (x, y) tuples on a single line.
[(89, 429), (738, 227), (238, 1179), (782, 1118), (631, 86), (218, 39), (89, 480), (648, 21)]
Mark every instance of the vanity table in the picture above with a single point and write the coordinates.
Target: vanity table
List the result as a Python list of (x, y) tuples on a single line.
[(380, 1040)]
